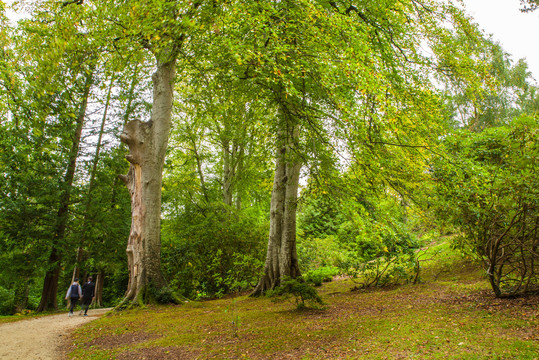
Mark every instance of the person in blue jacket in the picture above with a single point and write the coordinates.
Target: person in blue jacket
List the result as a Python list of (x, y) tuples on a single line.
[(74, 293)]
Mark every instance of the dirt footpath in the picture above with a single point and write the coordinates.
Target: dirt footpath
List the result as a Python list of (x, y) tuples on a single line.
[(40, 338)]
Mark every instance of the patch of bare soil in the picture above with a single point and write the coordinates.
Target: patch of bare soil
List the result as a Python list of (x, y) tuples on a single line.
[(114, 341), (525, 307), (487, 301), (40, 338)]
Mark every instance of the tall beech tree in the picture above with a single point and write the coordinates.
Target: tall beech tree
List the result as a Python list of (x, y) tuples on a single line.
[(352, 71), (162, 28)]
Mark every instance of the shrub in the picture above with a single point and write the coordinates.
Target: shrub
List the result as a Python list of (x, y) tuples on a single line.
[(314, 253), (320, 275), (165, 295), (490, 190), (299, 289), (211, 254), (6, 301)]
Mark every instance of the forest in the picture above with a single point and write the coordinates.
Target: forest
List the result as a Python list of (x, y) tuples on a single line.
[(189, 150)]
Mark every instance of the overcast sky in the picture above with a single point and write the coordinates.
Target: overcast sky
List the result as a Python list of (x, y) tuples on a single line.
[(517, 32)]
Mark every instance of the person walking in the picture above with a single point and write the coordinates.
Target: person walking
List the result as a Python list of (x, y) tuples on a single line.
[(74, 293), (88, 293)]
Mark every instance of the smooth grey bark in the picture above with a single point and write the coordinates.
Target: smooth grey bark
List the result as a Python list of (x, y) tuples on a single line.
[(199, 167), (240, 171), (231, 160), (147, 142), (228, 172), (233, 152), (281, 256)]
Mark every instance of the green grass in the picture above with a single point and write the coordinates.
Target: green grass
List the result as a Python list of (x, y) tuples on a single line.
[(454, 317), (26, 316)]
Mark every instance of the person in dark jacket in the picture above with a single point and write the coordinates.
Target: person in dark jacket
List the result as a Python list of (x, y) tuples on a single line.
[(74, 293), (88, 293)]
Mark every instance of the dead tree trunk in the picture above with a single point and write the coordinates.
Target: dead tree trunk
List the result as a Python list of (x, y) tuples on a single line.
[(281, 257), (147, 143)]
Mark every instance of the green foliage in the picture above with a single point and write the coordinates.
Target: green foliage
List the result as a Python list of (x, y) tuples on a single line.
[(379, 243), (320, 275), (372, 238), (319, 215), (507, 90), (116, 282), (490, 191), (298, 288), (319, 252), (355, 80), (6, 301), (211, 253), (164, 295)]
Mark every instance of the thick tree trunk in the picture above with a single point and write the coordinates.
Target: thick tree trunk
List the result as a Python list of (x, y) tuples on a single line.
[(50, 284), (281, 257), (147, 143)]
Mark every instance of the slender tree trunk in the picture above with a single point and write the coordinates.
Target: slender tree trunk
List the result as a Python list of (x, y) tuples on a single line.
[(99, 282), (130, 95), (91, 185), (199, 170), (127, 115), (281, 257), (240, 171), (147, 143), (228, 172), (50, 283)]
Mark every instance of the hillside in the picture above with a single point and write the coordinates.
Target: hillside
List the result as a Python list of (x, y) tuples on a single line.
[(451, 315)]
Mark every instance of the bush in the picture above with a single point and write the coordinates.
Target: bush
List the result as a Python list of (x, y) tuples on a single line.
[(320, 275), (379, 245), (299, 289), (211, 254), (490, 190), (6, 301), (314, 253), (165, 295)]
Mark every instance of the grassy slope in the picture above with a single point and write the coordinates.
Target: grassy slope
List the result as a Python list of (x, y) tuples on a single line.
[(454, 317)]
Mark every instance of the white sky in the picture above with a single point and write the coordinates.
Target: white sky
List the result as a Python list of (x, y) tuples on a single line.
[(517, 32)]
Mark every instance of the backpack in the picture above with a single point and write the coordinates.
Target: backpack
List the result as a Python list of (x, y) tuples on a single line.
[(75, 291)]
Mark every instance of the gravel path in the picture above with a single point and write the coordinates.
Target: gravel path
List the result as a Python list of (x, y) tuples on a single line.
[(40, 338)]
